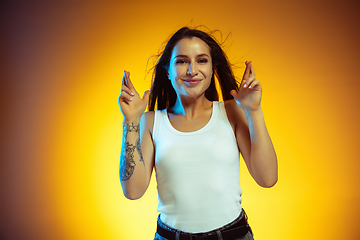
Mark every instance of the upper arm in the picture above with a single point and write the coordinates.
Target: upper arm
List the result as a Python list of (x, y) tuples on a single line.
[(147, 145), (240, 126)]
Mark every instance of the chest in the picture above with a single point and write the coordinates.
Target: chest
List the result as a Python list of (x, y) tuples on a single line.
[(183, 124)]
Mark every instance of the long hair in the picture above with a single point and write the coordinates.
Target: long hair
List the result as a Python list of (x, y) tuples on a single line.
[(163, 93)]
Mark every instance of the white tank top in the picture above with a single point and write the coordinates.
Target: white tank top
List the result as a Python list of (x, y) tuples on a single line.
[(197, 173)]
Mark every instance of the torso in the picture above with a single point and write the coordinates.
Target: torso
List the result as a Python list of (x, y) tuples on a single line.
[(203, 156), (184, 124)]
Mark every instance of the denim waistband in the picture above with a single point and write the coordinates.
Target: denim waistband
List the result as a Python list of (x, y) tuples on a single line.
[(227, 226)]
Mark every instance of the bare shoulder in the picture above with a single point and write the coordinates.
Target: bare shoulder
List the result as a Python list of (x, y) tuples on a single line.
[(230, 105), (234, 113), (147, 120)]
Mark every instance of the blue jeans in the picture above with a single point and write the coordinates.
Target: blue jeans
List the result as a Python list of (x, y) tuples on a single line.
[(249, 235)]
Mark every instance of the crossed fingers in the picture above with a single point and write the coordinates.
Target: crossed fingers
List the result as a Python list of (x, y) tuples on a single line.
[(249, 81), (127, 88)]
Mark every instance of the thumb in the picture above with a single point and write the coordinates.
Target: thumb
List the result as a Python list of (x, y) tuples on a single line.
[(233, 93), (146, 96)]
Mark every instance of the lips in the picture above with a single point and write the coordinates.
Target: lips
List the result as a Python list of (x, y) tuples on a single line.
[(192, 82)]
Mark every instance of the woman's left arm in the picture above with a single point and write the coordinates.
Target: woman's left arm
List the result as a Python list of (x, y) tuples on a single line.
[(251, 132)]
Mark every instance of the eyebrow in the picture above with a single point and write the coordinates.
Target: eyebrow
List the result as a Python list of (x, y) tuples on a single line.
[(185, 56)]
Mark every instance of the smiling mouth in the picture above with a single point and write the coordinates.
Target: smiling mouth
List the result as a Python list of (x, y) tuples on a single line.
[(192, 81)]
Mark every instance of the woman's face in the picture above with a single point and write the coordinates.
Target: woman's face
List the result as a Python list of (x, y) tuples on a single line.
[(190, 67)]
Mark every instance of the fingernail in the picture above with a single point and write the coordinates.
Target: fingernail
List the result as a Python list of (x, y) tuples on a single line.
[(244, 85), (132, 94), (250, 86), (130, 99)]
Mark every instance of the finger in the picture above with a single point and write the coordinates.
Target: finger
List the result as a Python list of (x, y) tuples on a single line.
[(243, 81), (248, 81), (125, 97), (233, 93), (254, 83), (126, 78), (247, 70), (252, 69), (146, 96), (127, 90), (128, 81), (246, 74), (125, 86), (123, 80)]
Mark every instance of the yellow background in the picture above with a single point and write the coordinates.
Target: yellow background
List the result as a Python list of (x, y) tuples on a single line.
[(61, 71)]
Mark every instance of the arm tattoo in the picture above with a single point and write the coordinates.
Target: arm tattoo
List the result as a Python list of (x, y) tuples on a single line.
[(132, 128), (127, 162), (138, 148)]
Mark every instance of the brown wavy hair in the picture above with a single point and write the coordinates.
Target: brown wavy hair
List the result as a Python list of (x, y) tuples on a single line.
[(163, 93)]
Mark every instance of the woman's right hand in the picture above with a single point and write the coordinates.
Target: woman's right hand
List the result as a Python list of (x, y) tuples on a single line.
[(131, 104)]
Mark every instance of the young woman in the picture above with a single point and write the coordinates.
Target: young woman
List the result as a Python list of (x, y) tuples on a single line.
[(194, 142)]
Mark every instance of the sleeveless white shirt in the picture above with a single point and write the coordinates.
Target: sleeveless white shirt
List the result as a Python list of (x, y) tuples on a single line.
[(197, 173)]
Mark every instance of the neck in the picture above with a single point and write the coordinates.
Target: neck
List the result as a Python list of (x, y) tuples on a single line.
[(191, 107)]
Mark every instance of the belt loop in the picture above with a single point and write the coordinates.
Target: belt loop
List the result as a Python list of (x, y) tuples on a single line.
[(218, 233), (177, 235)]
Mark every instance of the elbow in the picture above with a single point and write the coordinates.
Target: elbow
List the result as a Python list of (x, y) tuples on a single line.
[(268, 183), (131, 195)]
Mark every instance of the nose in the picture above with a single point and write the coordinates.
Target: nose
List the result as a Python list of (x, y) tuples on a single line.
[(192, 70)]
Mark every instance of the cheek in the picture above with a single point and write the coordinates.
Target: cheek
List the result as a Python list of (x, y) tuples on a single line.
[(208, 71), (176, 72), (171, 73)]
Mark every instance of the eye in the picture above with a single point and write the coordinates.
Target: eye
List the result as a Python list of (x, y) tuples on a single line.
[(203, 60), (180, 61)]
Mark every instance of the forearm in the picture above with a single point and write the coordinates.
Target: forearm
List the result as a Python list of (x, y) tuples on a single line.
[(132, 167), (263, 159)]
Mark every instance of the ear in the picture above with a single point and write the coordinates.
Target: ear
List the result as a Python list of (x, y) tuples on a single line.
[(167, 74)]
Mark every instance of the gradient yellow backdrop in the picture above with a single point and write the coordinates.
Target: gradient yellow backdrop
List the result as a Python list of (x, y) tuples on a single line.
[(61, 71)]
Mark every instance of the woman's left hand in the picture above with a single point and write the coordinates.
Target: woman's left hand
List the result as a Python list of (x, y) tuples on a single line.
[(249, 95)]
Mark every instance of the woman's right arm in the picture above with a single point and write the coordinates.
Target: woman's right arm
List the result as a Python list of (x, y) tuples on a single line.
[(137, 151)]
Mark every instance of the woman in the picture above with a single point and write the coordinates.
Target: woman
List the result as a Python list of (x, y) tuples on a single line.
[(194, 142)]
